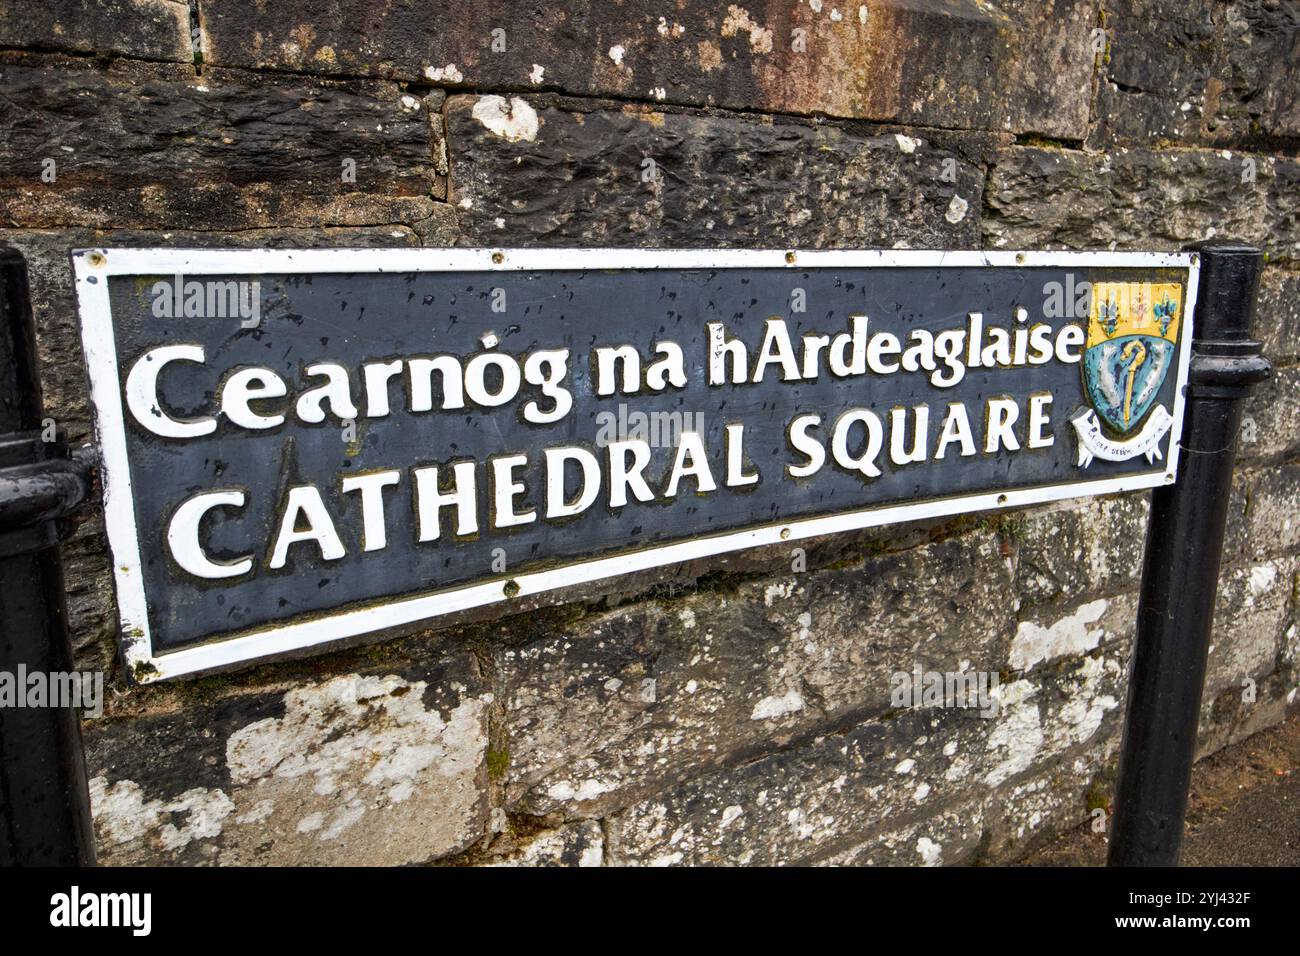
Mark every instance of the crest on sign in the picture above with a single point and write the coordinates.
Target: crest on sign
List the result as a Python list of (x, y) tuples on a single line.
[(1132, 343)]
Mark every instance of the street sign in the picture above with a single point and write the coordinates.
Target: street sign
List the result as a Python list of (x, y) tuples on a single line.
[(299, 447)]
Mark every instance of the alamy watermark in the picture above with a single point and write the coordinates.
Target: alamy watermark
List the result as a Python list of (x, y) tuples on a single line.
[(965, 690), (657, 429), (81, 689), (177, 298), (76, 908)]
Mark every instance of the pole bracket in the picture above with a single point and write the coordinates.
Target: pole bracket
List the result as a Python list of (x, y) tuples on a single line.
[(42, 486), (1225, 368)]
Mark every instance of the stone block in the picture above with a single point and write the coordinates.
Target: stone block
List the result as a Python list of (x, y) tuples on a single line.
[(1019, 66), (1270, 424), (146, 146), (1277, 315), (1139, 199), (538, 171), (146, 29), (379, 767), (1076, 549), (628, 702), (1263, 514), (839, 791), (1254, 609)]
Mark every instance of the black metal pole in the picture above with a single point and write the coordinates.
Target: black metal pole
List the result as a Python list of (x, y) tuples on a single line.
[(44, 804), (1181, 571)]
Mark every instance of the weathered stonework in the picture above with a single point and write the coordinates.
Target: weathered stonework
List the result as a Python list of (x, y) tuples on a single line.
[(576, 844), (1254, 668), (1256, 606), (1020, 66), (1264, 514), (803, 803), (1219, 74), (1253, 92), (1271, 421), (158, 147), (1277, 317), (1253, 675), (539, 170), (635, 699), (147, 29), (1064, 553), (1130, 199), (1152, 82), (363, 768)]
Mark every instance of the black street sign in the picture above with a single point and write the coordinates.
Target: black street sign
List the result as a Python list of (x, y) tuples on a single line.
[(302, 446)]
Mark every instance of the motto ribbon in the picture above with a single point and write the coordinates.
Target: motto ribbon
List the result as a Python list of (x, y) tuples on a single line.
[(1094, 444)]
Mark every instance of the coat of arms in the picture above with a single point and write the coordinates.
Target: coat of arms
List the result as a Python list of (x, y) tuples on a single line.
[(1132, 344)]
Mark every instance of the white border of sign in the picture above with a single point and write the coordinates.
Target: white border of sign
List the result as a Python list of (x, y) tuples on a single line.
[(93, 266)]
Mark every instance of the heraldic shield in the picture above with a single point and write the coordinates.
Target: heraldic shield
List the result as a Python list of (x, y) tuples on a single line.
[(1132, 344)]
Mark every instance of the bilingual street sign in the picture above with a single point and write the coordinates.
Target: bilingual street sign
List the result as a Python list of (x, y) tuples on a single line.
[(299, 447)]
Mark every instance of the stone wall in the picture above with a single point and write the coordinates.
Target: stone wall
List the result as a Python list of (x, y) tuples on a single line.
[(736, 710)]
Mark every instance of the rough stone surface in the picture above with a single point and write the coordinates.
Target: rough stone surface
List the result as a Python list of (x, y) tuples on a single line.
[(1271, 421), (951, 837), (157, 147), (148, 29), (1264, 514), (1256, 627), (576, 844), (1175, 72), (364, 768), (1066, 552), (1283, 215), (1255, 609), (1130, 199), (1232, 719), (826, 796), (1019, 66), (637, 698), (1277, 316), (1159, 54), (540, 171), (1255, 89)]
